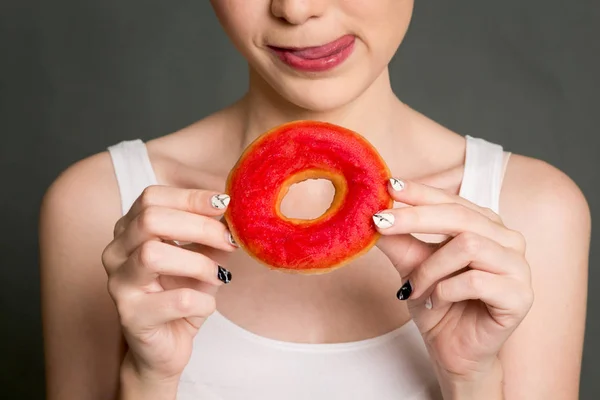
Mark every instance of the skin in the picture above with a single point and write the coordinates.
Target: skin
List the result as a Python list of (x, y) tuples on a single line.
[(115, 343)]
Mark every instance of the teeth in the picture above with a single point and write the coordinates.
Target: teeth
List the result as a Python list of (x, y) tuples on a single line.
[(397, 184), (383, 221), (220, 201)]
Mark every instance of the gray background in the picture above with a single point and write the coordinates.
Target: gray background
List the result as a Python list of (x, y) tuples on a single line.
[(79, 75)]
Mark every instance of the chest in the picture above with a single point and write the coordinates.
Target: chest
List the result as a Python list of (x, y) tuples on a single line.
[(352, 303)]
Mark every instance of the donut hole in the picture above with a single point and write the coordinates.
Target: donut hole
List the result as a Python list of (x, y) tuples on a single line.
[(308, 199)]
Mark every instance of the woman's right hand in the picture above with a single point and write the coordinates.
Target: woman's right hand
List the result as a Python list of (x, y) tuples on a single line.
[(164, 292)]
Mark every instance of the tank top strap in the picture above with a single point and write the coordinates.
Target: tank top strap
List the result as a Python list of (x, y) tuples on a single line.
[(133, 170), (485, 164)]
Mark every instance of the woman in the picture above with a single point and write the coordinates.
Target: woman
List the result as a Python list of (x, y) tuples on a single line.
[(168, 326)]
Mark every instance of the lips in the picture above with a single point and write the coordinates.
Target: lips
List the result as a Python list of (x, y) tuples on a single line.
[(317, 58), (316, 52)]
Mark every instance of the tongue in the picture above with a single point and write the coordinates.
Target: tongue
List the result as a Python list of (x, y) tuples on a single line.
[(312, 53)]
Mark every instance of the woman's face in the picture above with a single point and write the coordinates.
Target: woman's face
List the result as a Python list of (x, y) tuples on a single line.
[(317, 54)]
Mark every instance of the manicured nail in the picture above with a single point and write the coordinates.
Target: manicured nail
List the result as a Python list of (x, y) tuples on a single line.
[(232, 240), (383, 221), (397, 184), (223, 275), (405, 291), (428, 303), (220, 201)]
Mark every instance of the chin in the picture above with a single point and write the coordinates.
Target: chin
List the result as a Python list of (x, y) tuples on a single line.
[(320, 95), (320, 98)]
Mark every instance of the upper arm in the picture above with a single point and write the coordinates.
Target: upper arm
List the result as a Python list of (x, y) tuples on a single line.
[(542, 359), (82, 338)]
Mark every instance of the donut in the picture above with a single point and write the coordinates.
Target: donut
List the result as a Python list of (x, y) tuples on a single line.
[(291, 153)]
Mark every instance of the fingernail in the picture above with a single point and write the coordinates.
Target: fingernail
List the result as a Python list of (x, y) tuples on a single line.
[(231, 240), (405, 291), (383, 220), (428, 303), (397, 184), (220, 201), (180, 243), (223, 275)]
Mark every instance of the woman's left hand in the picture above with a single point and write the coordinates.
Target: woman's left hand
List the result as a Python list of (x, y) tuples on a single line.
[(466, 294)]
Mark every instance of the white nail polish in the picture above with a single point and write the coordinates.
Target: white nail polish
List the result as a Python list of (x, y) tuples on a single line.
[(220, 201), (181, 243), (232, 240), (397, 184), (428, 303), (383, 221)]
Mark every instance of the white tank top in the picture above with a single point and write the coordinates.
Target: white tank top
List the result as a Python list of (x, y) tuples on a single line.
[(231, 363)]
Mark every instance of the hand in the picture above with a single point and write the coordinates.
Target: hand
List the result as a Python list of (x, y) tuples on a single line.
[(466, 294), (163, 292)]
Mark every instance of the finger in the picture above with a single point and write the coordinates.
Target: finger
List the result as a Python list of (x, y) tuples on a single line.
[(415, 194), (154, 309), (449, 219), (112, 258), (504, 296), (405, 251), (197, 201), (160, 223), (465, 250), (153, 259)]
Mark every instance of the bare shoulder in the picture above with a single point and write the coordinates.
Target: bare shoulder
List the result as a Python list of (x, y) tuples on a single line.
[(78, 212), (86, 186), (80, 322), (551, 212), (538, 197), (81, 206)]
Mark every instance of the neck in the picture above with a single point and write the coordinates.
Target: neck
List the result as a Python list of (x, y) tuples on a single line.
[(374, 114)]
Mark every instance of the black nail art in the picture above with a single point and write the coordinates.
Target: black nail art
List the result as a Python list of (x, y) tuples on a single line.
[(224, 275), (405, 291)]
